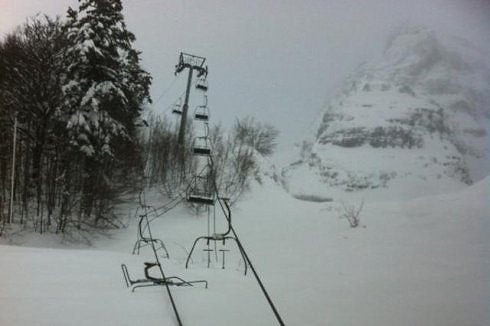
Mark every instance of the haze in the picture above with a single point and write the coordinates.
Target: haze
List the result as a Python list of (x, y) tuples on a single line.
[(276, 60)]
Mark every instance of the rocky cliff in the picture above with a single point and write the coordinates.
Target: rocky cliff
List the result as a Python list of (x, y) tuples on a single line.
[(413, 122)]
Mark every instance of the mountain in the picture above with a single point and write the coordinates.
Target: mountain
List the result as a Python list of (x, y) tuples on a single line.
[(413, 122)]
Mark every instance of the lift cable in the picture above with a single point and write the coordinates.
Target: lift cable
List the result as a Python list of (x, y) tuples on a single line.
[(264, 290), (143, 203), (242, 249), (180, 197), (172, 105), (206, 151), (167, 89)]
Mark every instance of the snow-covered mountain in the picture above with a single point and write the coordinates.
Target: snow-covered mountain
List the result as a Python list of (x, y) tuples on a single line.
[(413, 122)]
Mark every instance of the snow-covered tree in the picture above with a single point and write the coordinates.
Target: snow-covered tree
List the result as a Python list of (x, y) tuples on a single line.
[(104, 89), (104, 85)]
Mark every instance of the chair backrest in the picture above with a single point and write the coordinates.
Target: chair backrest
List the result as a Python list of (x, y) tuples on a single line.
[(140, 228)]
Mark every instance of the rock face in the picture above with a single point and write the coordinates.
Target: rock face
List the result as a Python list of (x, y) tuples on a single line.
[(415, 122)]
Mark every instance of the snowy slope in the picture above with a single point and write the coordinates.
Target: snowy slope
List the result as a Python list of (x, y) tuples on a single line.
[(414, 122), (418, 262)]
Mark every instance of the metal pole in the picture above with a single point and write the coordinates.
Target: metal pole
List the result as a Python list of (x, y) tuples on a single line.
[(12, 179), (183, 119)]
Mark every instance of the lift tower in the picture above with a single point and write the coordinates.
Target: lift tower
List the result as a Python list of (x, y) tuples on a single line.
[(192, 62)]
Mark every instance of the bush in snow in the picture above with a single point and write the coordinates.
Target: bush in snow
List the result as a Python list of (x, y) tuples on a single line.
[(259, 136), (235, 155), (163, 155), (352, 214)]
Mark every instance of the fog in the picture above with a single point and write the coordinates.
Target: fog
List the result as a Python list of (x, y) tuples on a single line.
[(279, 61)]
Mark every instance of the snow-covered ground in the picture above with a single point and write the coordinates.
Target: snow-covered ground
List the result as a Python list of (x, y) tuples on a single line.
[(422, 261)]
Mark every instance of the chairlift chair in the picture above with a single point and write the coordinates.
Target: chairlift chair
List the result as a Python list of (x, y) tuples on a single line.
[(220, 237), (201, 146), (200, 191), (155, 281), (143, 241), (202, 84), (177, 109), (201, 113)]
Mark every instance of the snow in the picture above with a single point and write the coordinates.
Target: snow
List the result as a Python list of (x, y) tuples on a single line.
[(423, 261)]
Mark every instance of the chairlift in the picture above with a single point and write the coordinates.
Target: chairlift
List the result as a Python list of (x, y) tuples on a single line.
[(149, 280), (219, 237), (142, 240), (177, 109), (200, 191), (201, 146), (202, 84), (201, 113)]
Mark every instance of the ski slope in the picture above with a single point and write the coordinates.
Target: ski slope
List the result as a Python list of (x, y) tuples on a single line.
[(423, 261)]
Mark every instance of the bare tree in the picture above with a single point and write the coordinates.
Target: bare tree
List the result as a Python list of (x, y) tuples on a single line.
[(260, 136), (352, 213), (234, 162), (30, 88)]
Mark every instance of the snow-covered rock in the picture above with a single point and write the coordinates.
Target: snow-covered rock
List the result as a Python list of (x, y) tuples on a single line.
[(414, 122)]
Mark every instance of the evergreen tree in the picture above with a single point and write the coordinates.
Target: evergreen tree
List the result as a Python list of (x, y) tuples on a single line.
[(104, 88)]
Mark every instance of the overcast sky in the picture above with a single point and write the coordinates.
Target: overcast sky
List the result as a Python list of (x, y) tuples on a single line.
[(278, 60)]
